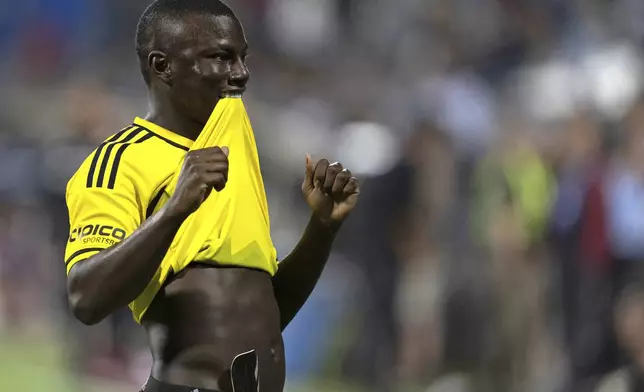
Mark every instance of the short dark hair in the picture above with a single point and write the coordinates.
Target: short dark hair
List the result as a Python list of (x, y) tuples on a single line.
[(166, 10)]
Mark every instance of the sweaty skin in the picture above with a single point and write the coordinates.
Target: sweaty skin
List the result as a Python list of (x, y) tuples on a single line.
[(206, 315)]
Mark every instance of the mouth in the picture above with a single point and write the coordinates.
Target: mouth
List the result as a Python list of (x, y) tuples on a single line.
[(233, 92)]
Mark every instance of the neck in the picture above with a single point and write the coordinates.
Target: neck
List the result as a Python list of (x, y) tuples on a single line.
[(164, 114)]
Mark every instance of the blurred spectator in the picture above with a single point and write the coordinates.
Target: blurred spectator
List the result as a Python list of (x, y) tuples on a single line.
[(369, 244), (580, 248), (625, 188), (421, 244), (513, 193)]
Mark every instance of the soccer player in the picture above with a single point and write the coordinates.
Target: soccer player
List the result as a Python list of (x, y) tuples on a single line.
[(212, 326)]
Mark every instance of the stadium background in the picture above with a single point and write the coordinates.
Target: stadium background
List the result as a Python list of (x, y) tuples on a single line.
[(501, 148)]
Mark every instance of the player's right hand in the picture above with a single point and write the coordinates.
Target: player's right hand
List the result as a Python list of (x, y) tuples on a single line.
[(203, 170)]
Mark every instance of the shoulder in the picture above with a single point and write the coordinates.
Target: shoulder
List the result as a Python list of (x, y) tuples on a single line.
[(133, 163), (96, 169), (133, 153)]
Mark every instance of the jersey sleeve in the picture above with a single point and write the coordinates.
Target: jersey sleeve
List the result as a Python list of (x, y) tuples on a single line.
[(100, 217)]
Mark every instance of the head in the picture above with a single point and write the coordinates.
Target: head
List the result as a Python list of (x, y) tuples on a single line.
[(191, 52)]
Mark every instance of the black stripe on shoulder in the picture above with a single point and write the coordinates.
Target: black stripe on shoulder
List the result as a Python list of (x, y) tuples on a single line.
[(170, 142), (153, 203), (81, 252), (97, 155), (108, 151), (117, 160)]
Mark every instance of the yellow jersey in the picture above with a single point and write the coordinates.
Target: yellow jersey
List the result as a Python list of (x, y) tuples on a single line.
[(131, 175)]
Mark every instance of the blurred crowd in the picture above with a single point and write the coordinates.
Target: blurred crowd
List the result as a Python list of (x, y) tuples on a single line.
[(500, 144)]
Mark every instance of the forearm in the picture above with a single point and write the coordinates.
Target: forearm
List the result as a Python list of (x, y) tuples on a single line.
[(300, 271), (115, 277)]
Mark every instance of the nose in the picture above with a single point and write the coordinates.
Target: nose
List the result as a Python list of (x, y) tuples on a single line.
[(239, 74)]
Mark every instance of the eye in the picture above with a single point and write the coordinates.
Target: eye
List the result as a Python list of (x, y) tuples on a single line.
[(220, 56)]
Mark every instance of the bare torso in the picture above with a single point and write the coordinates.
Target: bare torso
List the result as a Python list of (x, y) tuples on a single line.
[(206, 316)]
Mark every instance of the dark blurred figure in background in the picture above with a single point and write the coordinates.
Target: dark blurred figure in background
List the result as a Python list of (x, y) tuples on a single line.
[(424, 246), (624, 189), (625, 202), (371, 229), (580, 250)]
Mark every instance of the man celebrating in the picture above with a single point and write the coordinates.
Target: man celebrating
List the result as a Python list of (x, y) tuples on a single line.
[(214, 324)]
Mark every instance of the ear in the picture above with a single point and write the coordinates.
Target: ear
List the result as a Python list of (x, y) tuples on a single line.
[(160, 66)]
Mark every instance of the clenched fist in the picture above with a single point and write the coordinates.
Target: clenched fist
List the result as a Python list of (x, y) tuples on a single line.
[(203, 170), (330, 190)]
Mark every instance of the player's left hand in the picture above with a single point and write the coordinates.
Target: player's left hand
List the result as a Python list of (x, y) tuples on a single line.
[(330, 190)]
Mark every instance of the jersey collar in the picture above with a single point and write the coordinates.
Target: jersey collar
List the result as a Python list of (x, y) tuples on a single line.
[(164, 133)]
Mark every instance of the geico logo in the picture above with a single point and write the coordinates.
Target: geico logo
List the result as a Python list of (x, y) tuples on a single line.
[(97, 230)]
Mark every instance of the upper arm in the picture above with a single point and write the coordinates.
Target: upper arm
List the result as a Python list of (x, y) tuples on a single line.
[(100, 216)]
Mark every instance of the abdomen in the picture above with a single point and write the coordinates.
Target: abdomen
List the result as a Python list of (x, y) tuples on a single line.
[(205, 317)]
